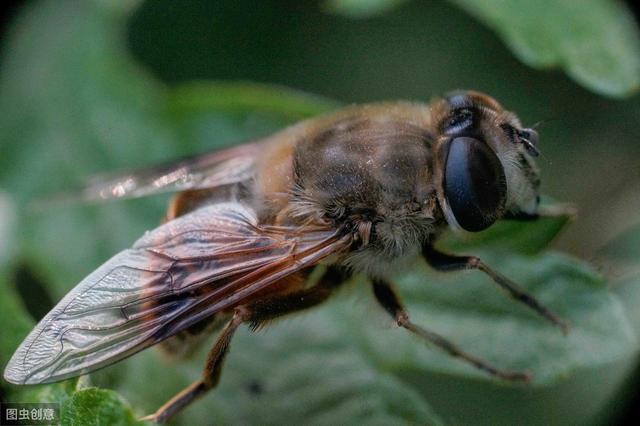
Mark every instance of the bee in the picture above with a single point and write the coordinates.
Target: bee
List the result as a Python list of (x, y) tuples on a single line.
[(357, 190)]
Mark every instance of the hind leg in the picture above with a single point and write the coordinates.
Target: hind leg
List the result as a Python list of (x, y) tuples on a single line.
[(255, 313)]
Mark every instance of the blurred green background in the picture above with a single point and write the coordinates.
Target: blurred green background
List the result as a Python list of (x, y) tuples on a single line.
[(96, 86)]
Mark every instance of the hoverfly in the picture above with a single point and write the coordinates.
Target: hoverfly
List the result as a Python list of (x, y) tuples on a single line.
[(356, 190)]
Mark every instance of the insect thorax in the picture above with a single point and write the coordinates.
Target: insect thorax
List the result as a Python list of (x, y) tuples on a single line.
[(373, 178)]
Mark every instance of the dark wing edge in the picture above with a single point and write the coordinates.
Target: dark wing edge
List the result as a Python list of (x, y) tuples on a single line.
[(176, 275), (209, 170)]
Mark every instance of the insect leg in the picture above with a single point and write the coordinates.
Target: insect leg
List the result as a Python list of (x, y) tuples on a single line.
[(388, 299), (211, 373), (262, 311), (556, 210), (256, 313), (447, 262)]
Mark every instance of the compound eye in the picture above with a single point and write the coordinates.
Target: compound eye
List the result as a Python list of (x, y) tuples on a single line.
[(474, 183)]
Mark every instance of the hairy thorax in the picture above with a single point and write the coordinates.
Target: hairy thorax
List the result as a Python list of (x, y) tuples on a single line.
[(372, 178)]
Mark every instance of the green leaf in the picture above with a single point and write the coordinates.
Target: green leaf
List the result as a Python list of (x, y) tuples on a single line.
[(509, 236), (96, 407), (596, 42), (623, 249), (620, 262), (246, 97), (361, 8)]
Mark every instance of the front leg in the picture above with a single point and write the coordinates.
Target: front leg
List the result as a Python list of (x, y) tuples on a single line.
[(391, 303), (555, 210), (447, 262)]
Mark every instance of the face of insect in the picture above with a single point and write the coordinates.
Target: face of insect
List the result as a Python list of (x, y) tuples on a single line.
[(486, 161)]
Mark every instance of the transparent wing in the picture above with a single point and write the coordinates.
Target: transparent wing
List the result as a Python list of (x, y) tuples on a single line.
[(213, 169), (176, 275)]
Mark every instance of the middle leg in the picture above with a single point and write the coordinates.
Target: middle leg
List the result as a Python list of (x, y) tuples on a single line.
[(388, 299), (447, 262)]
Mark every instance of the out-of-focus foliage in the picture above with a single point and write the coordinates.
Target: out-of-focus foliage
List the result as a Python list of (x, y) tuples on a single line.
[(243, 97), (74, 103), (509, 235), (361, 8), (96, 407), (596, 42), (620, 258), (15, 319)]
